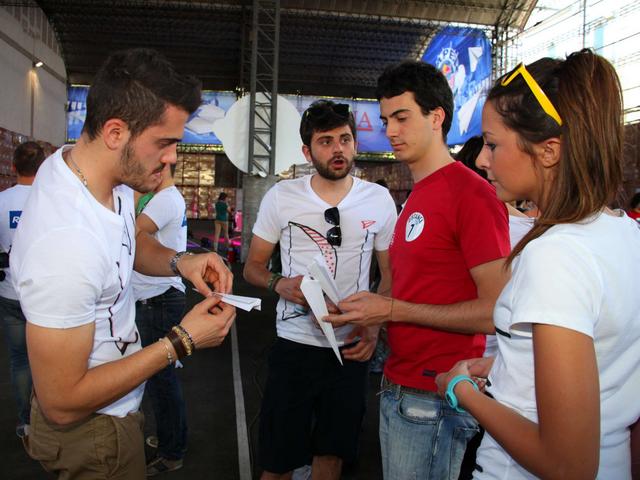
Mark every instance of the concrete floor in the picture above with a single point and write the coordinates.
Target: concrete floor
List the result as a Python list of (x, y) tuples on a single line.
[(208, 384)]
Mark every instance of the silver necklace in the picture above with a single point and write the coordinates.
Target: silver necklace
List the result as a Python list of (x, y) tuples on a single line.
[(77, 169)]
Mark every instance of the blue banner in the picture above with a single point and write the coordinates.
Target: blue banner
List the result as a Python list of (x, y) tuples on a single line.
[(463, 55), (198, 129), (76, 111), (199, 126), (371, 135)]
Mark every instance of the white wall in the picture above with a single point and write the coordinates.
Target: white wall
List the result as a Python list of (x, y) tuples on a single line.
[(610, 27), (30, 36)]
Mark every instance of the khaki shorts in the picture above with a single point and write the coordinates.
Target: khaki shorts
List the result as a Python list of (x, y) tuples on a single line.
[(98, 447)]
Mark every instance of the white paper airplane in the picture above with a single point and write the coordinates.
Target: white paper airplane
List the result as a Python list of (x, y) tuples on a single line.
[(245, 303)]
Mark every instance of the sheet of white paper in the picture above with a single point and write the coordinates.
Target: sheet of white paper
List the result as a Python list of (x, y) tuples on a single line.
[(315, 298), (245, 303), (319, 271)]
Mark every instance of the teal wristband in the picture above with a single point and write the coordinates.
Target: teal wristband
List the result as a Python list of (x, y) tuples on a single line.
[(450, 396)]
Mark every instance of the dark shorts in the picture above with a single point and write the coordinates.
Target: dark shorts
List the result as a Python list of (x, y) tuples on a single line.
[(312, 406)]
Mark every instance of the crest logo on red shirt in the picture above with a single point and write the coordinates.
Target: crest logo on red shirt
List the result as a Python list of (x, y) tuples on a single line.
[(414, 226), (367, 223)]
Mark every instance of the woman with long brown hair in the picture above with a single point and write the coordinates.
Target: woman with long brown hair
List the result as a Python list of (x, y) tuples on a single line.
[(564, 384)]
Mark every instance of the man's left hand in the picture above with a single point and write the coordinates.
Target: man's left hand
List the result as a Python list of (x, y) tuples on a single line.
[(364, 309), (363, 350), (206, 269)]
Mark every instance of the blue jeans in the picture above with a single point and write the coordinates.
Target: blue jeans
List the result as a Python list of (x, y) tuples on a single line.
[(154, 318), (14, 325), (421, 437)]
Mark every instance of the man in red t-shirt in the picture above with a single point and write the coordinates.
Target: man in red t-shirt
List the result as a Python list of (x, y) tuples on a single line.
[(447, 259)]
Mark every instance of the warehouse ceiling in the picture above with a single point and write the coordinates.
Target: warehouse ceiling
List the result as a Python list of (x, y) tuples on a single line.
[(327, 47)]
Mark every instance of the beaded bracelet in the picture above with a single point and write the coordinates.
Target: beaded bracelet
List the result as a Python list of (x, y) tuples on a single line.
[(183, 333), (186, 343)]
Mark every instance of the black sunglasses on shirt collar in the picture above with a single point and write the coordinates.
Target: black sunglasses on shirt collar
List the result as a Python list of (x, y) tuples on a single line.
[(334, 234)]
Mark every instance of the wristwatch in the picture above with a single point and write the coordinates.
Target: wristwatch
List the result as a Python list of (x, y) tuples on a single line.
[(173, 263), (450, 396)]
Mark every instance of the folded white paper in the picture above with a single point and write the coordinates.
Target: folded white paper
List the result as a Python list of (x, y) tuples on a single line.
[(319, 271), (315, 298), (245, 303)]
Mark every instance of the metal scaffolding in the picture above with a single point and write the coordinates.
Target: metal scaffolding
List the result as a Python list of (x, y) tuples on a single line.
[(263, 84)]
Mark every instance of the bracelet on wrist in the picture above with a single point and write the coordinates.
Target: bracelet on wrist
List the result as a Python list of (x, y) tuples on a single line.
[(185, 337), (177, 343), (188, 346), (173, 263), (273, 281), (166, 347), (450, 395)]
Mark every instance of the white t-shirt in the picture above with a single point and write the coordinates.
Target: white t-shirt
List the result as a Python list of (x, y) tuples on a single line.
[(580, 277), (518, 228), (12, 201), (293, 214), (72, 261), (168, 211)]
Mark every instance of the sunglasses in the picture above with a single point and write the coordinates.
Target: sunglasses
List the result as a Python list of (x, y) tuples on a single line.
[(334, 234), (322, 110), (537, 91)]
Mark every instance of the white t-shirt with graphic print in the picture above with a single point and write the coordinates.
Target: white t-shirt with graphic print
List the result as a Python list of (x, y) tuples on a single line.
[(72, 261), (293, 214), (579, 277), (167, 211)]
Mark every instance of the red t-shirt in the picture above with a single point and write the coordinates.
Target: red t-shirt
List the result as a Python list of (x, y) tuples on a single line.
[(451, 223), (634, 214)]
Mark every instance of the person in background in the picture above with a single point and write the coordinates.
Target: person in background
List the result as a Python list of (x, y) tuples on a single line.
[(634, 207), (469, 153), (160, 305), (232, 220), (26, 161), (141, 201), (221, 223), (564, 384)]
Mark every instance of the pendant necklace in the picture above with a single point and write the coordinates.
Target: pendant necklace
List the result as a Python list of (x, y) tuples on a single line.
[(77, 169)]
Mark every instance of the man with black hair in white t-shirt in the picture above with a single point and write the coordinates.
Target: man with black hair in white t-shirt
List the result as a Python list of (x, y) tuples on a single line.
[(313, 407), (160, 304), (26, 161), (72, 261)]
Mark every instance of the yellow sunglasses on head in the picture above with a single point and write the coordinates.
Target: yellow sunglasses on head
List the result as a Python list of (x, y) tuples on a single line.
[(537, 91)]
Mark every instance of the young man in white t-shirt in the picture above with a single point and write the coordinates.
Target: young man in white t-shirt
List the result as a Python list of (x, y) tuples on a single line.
[(72, 260), (313, 407), (26, 161), (160, 304)]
